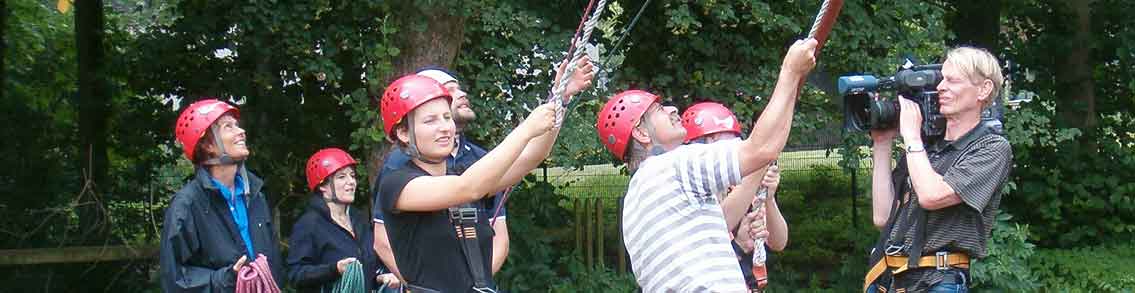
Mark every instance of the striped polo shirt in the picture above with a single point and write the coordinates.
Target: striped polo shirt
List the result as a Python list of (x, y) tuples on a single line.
[(673, 227)]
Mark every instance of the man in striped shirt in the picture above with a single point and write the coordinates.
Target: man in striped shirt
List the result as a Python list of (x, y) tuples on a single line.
[(673, 226)]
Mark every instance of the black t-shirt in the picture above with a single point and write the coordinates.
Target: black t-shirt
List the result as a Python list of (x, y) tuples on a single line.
[(425, 244)]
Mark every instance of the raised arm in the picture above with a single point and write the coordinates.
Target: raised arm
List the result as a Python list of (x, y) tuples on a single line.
[(539, 148), (736, 205), (431, 193), (882, 190), (770, 133)]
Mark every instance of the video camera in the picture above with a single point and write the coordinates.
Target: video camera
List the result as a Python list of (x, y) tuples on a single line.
[(865, 109)]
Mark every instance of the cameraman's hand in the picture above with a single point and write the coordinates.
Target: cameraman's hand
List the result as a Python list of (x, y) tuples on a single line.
[(910, 121), (801, 58)]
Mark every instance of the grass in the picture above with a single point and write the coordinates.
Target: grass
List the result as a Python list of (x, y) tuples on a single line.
[(608, 181)]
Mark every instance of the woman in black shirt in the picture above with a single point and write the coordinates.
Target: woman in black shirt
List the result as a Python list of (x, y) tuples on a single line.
[(426, 207)]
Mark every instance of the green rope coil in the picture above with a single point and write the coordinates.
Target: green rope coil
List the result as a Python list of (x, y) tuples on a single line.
[(352, 281)]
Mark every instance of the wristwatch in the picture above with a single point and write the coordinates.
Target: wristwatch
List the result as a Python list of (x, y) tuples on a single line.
[(915, 148)]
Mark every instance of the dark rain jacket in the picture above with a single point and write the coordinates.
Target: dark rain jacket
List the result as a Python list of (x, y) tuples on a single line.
[(317, 244), (200, 241)]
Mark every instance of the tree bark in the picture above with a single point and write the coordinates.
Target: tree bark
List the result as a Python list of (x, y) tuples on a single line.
[(94, 110), (3, 48), (1075, 90), (426, 36)]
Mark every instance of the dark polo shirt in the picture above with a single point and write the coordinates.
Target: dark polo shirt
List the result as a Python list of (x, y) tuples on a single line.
[(976, 166)]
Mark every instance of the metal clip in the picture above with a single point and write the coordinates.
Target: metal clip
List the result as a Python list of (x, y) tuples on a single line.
[(940, 260), (465, 215), (894, 250)]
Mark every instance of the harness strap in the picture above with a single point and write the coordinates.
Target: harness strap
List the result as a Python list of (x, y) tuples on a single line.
[(464, 219), (897, 264)]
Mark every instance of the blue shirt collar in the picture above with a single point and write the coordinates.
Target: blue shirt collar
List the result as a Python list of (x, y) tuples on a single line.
[(238, 184)]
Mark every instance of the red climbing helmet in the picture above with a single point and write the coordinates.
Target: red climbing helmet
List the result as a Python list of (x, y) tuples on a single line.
[(619, 116), (324, 163), (196, 119), (406, 94), (707, 118)]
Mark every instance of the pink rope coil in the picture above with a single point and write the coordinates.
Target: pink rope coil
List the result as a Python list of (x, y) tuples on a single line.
[(256, 277)]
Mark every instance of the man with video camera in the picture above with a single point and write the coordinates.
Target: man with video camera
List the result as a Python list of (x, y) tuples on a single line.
[(936, 207)]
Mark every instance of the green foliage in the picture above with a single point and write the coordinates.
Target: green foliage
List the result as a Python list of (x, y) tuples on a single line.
[(827, 247), (1072, 181), (1090, 269), (602, 279), (1007, 267), (38, 126), (1071, 195)]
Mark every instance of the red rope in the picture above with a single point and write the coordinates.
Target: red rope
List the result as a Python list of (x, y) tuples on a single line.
[(582, 20), (256, 277)]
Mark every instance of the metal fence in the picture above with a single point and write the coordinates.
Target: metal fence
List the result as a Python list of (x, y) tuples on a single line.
[(595, 196)]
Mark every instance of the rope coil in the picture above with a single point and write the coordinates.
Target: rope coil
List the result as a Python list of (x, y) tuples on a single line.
[(352, 280), (256, 277)]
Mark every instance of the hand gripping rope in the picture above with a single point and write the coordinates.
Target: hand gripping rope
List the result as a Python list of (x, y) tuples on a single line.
[(352, 280), (587, 25)]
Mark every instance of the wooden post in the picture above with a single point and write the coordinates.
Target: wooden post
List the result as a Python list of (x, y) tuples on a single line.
[(588, 239), (577, 203), (600, 230), (77, 254), (622, 248)]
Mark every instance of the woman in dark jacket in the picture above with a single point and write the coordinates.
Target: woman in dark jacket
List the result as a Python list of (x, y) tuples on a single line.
[(220, 220), (329, 236)]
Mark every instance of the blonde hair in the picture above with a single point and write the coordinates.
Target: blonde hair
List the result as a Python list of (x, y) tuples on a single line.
[(977, 65)]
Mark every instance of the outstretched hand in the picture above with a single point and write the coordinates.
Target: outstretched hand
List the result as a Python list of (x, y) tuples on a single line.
[(581, 78)]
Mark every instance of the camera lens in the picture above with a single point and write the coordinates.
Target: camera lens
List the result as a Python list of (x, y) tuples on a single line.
[(884, 113), (856, 112)]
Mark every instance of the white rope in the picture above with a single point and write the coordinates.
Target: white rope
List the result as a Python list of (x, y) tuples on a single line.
[(580, 48)]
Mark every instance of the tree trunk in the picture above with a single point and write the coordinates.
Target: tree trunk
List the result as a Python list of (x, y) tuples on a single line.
[(94, 109), (426, 36), (94, 113), (3, 48), (976, 23), (1075, 88)]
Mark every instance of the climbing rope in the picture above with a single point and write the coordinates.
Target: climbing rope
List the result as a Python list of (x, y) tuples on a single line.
[(256, 277), (760, 269), (352, 280), (587, 25)]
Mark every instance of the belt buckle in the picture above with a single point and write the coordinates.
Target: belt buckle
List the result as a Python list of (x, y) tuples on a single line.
[(940, 261), (894, 250), (465, 215)]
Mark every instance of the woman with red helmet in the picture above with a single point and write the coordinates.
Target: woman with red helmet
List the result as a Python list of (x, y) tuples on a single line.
[(673, 226), (330, 236), (220, 220), (439, 241), (711, 122)]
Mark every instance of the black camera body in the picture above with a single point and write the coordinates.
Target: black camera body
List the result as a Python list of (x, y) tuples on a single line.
[(865, 109)]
